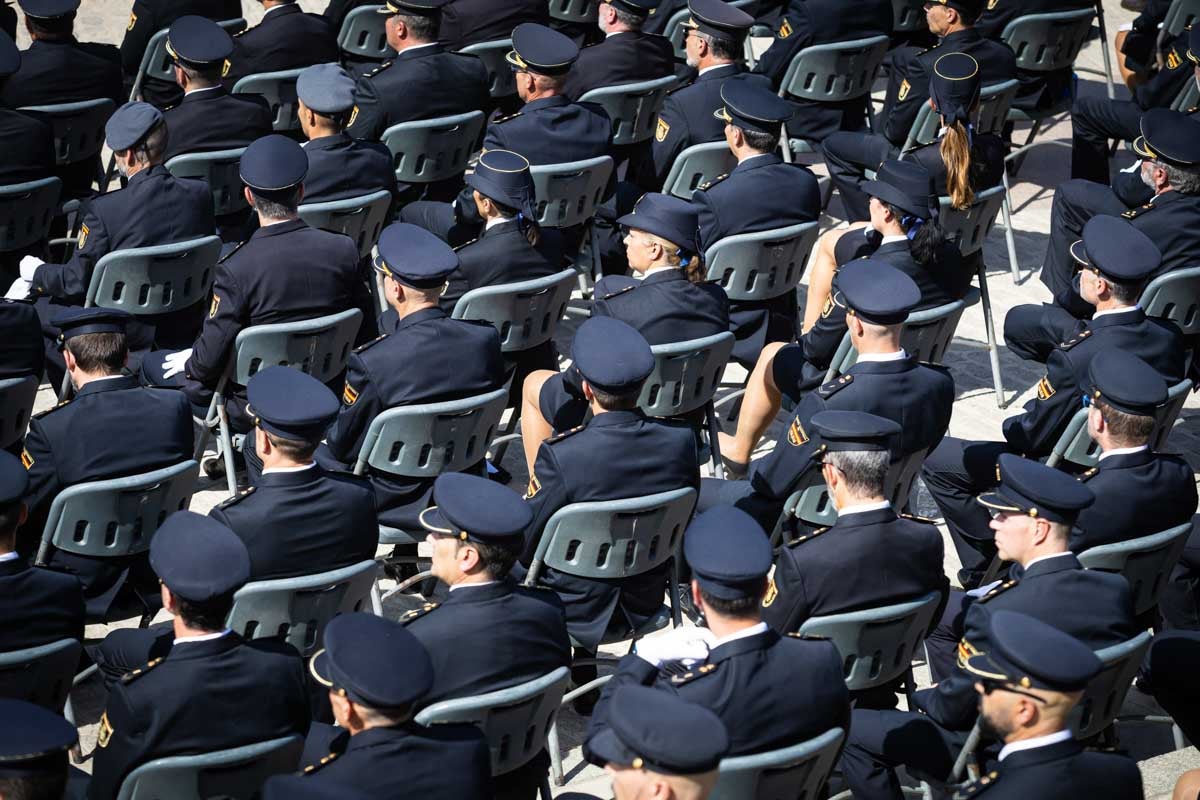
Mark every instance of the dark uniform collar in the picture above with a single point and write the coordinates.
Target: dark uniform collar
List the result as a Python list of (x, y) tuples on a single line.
[(883, 367), (1128, 316), (157, 169), (211, 93), (960, 37), (285, 10), (893, 246), (13, 566), (417, 317), (36, 43), (613, 418), (205, 649), (721, 71), (1021, 759), (554, 101), (279, 228), (109, 385), (479, 594), (328, 142), (383, 735), (664, 276), (873, 517), (746, 644), (419, 52), (299, 477), (1127, 460), (1048, 566), (501, 228), (764, 160)]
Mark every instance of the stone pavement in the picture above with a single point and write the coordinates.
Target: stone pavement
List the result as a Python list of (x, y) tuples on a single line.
[(976, 415)]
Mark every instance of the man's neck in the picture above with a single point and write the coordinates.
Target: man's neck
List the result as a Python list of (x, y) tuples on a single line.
[(1112, 305), (1036, 732), (183, 631), (323, 131), (844, 501), (955, 29), (880, 347), (471, 579), (408, 309), (725, 626), (747, 153), (409, 44), (708, 62), (279, 462), (266, 222), (540, 95), (1045, 551), (81, 379)]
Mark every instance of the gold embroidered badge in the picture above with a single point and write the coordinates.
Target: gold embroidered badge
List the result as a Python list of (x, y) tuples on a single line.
[(132, 22), (1045, 390), (83, 234), (796, 434), (992, 4), (1173, 60), (785, 30), (827, 309), (216, 303), (105, 732), (660, 133), (349, 395), (533, 488), (26, 459), (905, 88), (772, 592)]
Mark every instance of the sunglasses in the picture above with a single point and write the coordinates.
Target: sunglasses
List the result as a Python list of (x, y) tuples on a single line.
[(990, 685)]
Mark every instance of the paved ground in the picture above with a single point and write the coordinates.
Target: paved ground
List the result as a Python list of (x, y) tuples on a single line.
[(976, 414)]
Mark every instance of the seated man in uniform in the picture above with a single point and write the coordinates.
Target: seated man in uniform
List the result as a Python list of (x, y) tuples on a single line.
[(626, 54), (769, 690), (113, 427), (28, 143), (33, 760), (379, 676), (286, 38), (489, 633), (206, 688), (297, 518)]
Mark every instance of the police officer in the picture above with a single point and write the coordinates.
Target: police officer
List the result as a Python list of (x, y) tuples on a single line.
[(40, 606), (207, 117), (147, 18), (286, 38), (626, 54), (467, 22), (425, 356), (760, 193), (339, 167), (378, 675), (33, 750), (297, 518), (769, 690), (27, 142), (644, 762), (423, 81), (512, 634), (113, 427), (212, 690), (885, 381)]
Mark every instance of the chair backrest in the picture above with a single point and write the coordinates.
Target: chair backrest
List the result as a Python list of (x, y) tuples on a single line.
[(427, 439), (686, 375), (1180, 15), (364, 36), (1048, 42), (117, 516), (1146, 562), (578, 11), (632, 107), (234, 774), (40, 675), (763, 265), (676, 33), (428, 150), (970, 228), (501, 80), (1105, 693), (612, 539), (360, 218), (221, 169), (876, 644), (17, 396), (26, 210), (298, 609), (834, 72), (1175, 295), (78, 127), (157, 62), (811, 503), (526, 313), (1188, 96), (798, 772), (908, 16), (697, 165), (279, 90), (991, 116), (1076, 446), (926, 335), (1166, 414), (317, 347), (515, 720), (567, 194), (155, 280)]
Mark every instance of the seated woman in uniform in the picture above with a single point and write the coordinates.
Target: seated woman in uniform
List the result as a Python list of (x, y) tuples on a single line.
[(961, 163), (670, 304)]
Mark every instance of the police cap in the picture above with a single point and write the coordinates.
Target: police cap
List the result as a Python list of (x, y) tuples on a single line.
[(1115, 248), (1030, 487), (611, 354), (48, 9), (543, 50), (906, 185), (503, 176), (289, 403), (876, 291), (33, 740), (718, 18), (854, 430), (751, 105), (471, 507), (198, 558), (971, 9), (10, 56), (1169, 136), (667, 217), (130, 123), (424, 8), (728, 552), (642, 8), (415, 257), (72, 322), (661, 732), (1126, 382), (198, 42), (955, 86), (14, 479), (373, 661), (1029, 653), (273, 163)]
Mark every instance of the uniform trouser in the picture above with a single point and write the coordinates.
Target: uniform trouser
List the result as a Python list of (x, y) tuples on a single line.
[(955, 474), (1095, 121), (1075, 202), (127, 649), (741, 493), (880, 741), (848, 155), (941, 645), (439, 219), (1034, 331), (1172, 674)]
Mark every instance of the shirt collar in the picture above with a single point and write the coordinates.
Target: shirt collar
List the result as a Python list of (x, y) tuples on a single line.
[(1124, 310), (13, 556), (204, 637), (900, 237), (862, 508), (899, 355), (491, 223), (267, 13), (1037, 741), (751, 158), (745, 633), (470, 585), (1123, 451), (206, 88), (269, 470), (1044, 558), (417, 47), (714, 66)]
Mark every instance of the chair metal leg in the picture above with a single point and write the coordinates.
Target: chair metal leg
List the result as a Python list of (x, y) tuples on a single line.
[(1108, 71), (64, 391), (714, 430), (544, 792), (990, 328), (376, 603), (1014, 265), (206, 428), (227, 449), (556, 767), (509, 430), (964, 755), (676, 612)]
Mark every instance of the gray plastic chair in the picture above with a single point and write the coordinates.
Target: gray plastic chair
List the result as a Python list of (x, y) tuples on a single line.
[(632, 107), (1145, 562), (26, 210), (360, 218), (157, 62), (908, 16), (515, 720), (40, 675), (221, 170), (991, 116), (1175, 295), (279, 90), (363, 35), (319, 347), (78, 127), (1180, 15), (764, 265), (568, 193), (234, 774), (697, 165), (155, 280), (501, 80), (525, 313), (1105, 693), (17, 396), (577, 11), (429, 150), (798, 772)]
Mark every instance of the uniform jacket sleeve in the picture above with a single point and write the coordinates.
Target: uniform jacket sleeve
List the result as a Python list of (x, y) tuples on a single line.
[(214, 345), (821, 342), (1035, 432), (633, 670), (665, 151), (1164, 85), (39, 462), (546, 493), (787, 606), (777, 474), (792, 36), (904, 110), (953, 703), (360, 405), (126, 747), (70, 281), (367, 116), (141, 26), (708, 221)]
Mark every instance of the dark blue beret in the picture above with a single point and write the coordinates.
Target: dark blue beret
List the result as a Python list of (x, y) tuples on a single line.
[(537, 48), (273, 163), (198, 558), (503, 176), (414, 256), (48, 9), (72, 322), (14, 478), (326, 88), (641, 7), (718, 18), (751, 105), (1114, 247), (906, 185), (1125, 382), (661, 732), (198, 41), (289, 403), (855, 430), (669, 217), (426, 8), (876, 291), (130, 123), (373, 661), (303, 787), (1169, 136), (611, 354), (33, 740), (1030, 487), (1027, 652), (471, 507), (10, 56), (729, 553)]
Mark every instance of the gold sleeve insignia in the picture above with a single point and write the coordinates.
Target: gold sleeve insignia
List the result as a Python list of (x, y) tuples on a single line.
[(216, 303), (992, 4), (660, 132), (785, 29), (827, 308), (1045, 389), (26, 460), (225, 68), (106, 730), (905, 88), (353, 116), (349, 394), (83, 234), (132, 22), (1173, 59), (796, 435), (533, 488), (772, 593)]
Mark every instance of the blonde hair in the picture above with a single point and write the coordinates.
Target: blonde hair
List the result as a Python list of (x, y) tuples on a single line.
[(955, 149)]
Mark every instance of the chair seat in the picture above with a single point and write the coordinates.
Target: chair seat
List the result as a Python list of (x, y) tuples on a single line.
[(1033, 115), (397, 536), (801, 146)]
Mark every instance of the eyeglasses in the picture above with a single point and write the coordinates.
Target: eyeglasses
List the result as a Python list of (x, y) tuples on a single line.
[(990, 685)]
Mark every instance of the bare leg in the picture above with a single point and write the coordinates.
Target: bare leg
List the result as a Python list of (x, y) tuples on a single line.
[(760, 404), (534, 427), (1187, 786), (820, 275)]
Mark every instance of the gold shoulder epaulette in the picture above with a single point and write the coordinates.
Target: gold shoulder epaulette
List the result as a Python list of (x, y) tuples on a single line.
[(691, 675), (416, 613), (828, 390), (130, 677), (311, 768), (237, 498), (371, 343)]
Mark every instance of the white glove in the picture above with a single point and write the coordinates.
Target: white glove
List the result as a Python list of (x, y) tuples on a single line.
[(18, 291), (29, 265), (689, 645), (175, 362)]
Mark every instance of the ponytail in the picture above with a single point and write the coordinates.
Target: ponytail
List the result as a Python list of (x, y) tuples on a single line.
[(955, 149), (694, 269)]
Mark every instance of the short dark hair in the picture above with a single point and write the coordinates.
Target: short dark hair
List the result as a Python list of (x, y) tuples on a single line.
[(757, 140), (42, 786), (207, 616), (52, 28), (613, 401), (629, 19), (1124, 292), (10, 517), (423, 27), (276, 205), (722, 47), (498, 559), (99, 352), (749, 607), (1131, 430), (295, 449)]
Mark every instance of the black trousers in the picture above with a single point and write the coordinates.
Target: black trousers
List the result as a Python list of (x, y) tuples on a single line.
[(1172, 673), (1095, 122), (955, 474), (1075, 202), (880, 741), (848, 155), (1033, 331)]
